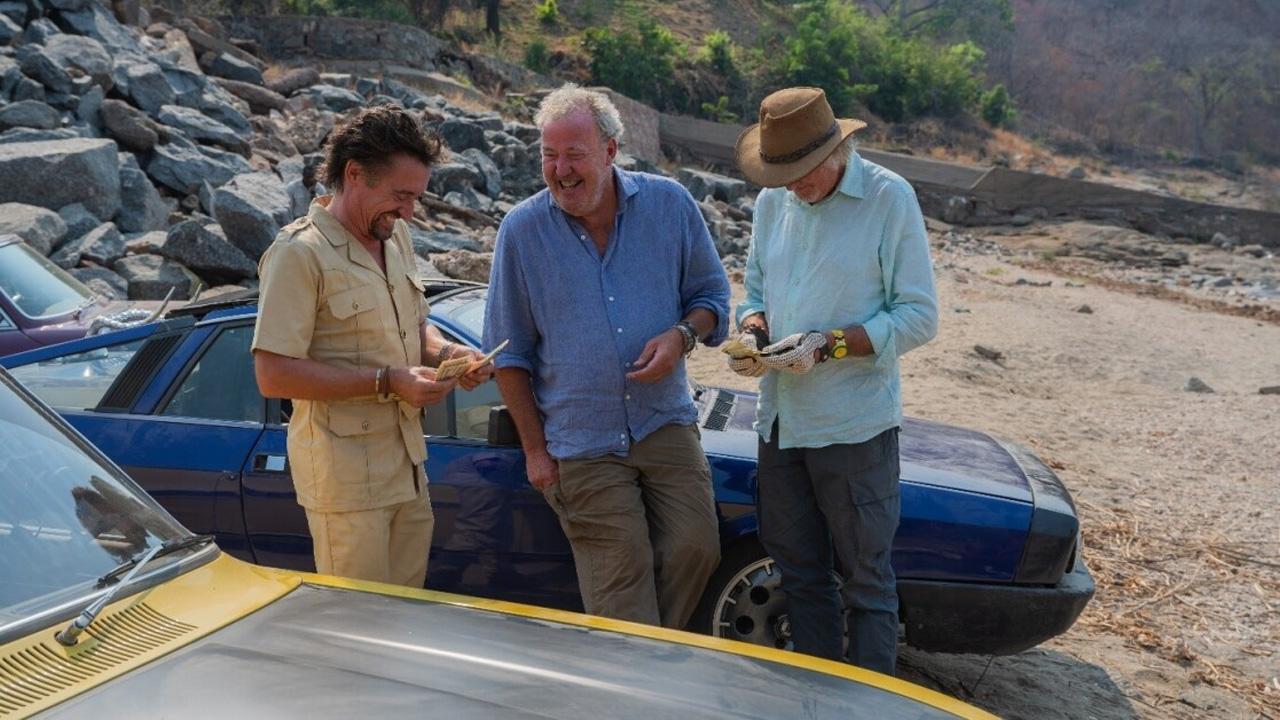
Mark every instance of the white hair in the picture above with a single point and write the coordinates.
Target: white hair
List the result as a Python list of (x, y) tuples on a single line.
[(570, 98)]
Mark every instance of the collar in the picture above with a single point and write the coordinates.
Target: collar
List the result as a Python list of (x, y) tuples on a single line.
[(624, 185)]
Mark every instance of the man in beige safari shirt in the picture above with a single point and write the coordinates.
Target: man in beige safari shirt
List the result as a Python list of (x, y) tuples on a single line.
[(342, 331)]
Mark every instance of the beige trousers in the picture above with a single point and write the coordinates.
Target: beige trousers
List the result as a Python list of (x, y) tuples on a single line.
[(643, 527), (388, 544)]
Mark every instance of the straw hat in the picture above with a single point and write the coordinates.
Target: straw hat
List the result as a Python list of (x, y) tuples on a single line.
[(796, 132)]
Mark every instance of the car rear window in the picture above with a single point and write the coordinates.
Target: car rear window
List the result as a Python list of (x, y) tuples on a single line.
[(77, 382)]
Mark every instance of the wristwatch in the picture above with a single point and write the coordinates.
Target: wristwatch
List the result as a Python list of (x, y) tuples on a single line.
[(840, 349), (690, 336)]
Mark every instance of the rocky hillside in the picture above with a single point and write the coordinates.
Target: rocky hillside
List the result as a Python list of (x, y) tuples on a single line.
[(149, 159)]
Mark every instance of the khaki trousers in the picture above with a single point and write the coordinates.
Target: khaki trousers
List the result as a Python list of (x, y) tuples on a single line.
[(388, 544), (643, 527)]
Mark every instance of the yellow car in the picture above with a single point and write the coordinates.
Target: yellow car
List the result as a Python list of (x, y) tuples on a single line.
[(110, 608)]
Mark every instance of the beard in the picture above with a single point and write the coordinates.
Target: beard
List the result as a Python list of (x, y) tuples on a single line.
[(381, 227)]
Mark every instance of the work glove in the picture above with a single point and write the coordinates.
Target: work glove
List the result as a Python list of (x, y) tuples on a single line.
[(794, 353), (748, 365)]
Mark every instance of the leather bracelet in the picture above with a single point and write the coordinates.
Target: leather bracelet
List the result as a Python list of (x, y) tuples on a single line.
[(690, 335), (384, 378)]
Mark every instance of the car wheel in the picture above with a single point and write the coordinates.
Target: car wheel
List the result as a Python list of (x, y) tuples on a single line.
[(744, 599)]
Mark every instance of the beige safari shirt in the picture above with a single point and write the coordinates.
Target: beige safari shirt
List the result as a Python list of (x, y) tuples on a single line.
[(322, 297)]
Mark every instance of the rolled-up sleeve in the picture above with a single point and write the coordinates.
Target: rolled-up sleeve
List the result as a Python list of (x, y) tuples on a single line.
[(705, 285), (911, 316)]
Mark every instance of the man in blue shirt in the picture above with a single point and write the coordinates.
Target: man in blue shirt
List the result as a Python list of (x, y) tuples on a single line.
[(603, 283), (839, 270)]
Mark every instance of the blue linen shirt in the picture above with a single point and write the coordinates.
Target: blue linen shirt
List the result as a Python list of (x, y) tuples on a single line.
[(577, 321), (860, 256)]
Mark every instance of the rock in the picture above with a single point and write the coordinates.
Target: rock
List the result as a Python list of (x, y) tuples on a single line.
[(41, 228), (103, 282), (30, 114), (1197, 385), (988, 353), (1085, 309), (226, 65), (202, 128), (84, 55), (101, 246), (294, 80), (261, 100), (52, 174), (1269, 390), (78, 219), (251, 208), (464, 265), (203, 247), (460, 135), (182, 166), (141, 207), (129, 126), (151, 277)]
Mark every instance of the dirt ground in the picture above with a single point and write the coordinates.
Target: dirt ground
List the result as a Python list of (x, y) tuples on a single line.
[(1176, 489)]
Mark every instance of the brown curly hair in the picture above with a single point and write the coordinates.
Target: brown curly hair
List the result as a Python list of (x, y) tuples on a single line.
[(373, 137)]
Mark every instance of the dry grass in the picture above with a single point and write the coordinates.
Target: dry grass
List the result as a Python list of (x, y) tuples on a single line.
[(1140, 571)]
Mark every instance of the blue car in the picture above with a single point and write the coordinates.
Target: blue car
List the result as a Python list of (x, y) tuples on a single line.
[(987, 553)]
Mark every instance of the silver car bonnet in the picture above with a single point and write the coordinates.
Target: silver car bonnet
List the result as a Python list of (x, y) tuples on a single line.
[(324, 652)]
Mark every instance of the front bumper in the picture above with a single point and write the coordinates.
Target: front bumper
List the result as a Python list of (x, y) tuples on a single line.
[(954, 617)]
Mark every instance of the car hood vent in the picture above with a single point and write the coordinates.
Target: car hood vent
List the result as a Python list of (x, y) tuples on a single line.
[(37, 672)]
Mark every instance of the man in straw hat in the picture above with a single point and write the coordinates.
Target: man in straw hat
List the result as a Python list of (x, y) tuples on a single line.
[(839, 272), (603, 282)]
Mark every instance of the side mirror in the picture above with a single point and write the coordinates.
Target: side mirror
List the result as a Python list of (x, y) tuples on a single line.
[(502, 429)]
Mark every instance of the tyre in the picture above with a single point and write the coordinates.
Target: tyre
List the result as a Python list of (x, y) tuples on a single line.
[(744, 599)]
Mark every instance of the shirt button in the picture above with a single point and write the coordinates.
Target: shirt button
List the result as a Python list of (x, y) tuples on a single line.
[(619, 330), (628, 396), (403, 334), (355, 306), (364, 425), (610, 298)]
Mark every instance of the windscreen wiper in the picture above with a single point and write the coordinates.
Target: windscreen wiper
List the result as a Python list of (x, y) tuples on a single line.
[(129, 568)]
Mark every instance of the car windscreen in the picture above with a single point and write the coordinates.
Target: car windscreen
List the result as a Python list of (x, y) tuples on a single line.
[(467, 312), (66, 518), (36, 286)]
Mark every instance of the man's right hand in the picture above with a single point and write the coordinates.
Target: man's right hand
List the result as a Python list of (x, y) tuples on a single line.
[(418, 385), (543, 470)]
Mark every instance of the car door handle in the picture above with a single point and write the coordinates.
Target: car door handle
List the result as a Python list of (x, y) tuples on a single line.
[(270, 462)]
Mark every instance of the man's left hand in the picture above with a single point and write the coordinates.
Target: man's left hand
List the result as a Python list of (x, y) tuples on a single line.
[(795, 353), (659, 357)]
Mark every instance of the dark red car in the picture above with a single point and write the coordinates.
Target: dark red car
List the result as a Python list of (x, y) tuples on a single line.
[(42, 304)]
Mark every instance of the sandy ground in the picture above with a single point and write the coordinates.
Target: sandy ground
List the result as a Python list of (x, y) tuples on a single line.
[(1177, 490)]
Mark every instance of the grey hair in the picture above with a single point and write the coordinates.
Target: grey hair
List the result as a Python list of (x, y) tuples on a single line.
[(840, 156), (569, 98)]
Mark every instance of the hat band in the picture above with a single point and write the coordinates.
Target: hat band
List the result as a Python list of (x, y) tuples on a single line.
[(801, 152)]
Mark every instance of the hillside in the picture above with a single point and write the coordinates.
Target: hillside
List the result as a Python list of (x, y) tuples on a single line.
[(1075, 124)]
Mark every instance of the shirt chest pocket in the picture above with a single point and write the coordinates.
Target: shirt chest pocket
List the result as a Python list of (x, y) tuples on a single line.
[(358, 324)]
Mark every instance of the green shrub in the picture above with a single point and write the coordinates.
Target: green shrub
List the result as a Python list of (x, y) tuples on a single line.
[(996, 107), (718, 52), (548, 12), (637, 64), (536, 56), (719, 111)]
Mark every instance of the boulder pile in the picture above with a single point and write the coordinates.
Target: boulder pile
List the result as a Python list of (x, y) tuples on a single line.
[(149, 158)]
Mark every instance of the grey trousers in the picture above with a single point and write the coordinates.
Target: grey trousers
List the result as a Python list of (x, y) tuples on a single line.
[(643, 528), (820, 504)]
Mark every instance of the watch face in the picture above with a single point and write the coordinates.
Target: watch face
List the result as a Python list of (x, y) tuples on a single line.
[(839, 352)]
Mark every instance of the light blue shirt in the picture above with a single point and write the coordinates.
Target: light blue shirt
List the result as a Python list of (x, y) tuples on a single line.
[(577, 321), (858, 257)]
